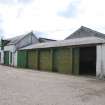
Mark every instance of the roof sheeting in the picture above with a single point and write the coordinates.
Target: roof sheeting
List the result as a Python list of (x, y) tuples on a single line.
[(16, 39), (69, 42), (85, 32), (45, 40)]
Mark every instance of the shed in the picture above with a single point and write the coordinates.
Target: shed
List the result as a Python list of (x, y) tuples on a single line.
[(13, 44), (78, 56)]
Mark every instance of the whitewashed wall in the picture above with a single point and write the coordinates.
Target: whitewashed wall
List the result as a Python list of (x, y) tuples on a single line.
[(100, 62), (2, 57), (15, 59), (11, 48)]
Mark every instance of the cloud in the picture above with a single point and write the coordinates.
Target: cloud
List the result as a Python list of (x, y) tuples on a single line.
[(7, 1), (56, 18), (71, 11), (25, 1), (14, 2)]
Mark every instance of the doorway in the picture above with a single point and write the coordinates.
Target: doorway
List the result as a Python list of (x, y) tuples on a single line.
[(87, 61)]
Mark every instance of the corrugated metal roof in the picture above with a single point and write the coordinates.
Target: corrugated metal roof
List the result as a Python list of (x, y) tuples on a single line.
[(45, 40), (85, 32), (69, 42), (16, 39)]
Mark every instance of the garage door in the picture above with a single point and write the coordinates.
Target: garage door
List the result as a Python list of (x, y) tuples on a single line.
[(32, 59), (63, 60), (22, 59), (6, 57), (45, 62)]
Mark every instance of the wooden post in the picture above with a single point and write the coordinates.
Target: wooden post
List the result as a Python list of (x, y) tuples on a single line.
[(37, 54), (51, 59)]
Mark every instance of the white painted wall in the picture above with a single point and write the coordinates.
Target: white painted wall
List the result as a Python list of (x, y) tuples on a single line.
[(15, 59), (11, 48), (2, 57), (100, 62)]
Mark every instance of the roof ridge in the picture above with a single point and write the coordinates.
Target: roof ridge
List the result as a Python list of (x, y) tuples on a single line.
[(86, 29)]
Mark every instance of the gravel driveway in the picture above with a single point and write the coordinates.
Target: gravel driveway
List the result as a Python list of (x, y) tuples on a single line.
[(27, 87)]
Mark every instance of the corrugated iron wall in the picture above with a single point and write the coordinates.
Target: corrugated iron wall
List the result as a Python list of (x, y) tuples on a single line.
[(22, 59), (64, 60), (76, 56), (45, 62), (32, 59), (6, 57)]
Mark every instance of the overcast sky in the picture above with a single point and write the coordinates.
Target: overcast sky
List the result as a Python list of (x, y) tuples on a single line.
[(50, 18)]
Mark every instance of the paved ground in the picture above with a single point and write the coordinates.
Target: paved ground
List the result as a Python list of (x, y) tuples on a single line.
[(26, 87)]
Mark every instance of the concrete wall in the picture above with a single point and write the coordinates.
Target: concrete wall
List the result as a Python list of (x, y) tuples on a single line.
[(100, 62), (2, 57), (15, 59)]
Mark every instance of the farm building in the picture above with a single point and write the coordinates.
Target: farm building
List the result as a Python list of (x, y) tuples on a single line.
[(9, 48), (82, 53)]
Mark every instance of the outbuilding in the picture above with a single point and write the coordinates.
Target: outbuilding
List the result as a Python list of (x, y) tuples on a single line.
[(82, 53), (10, 46)]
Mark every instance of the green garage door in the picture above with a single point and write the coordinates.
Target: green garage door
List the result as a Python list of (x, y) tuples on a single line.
[(6, 57), (32, 59), (63, 60), (45, 61), (22, 59)]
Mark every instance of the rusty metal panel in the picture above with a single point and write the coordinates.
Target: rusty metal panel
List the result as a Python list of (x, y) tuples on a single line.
[(63, 60), (32, 59)]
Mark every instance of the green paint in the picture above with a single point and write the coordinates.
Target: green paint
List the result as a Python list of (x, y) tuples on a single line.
[(32, 59), (75, 61), (22, 59), (10, 57), (63, 60), (6, 57), (45, 60), (37, 59), (52, 60)]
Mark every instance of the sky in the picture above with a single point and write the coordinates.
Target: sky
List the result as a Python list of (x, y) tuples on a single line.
[(54, 19)]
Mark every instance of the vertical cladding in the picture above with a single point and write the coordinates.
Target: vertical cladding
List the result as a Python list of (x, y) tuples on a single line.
[(76, 56), (45, 62), (32, 59), (6, 57), (63, 60), (22, 59)]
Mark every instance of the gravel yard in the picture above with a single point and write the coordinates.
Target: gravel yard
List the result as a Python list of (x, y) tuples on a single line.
[(27, 87)]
